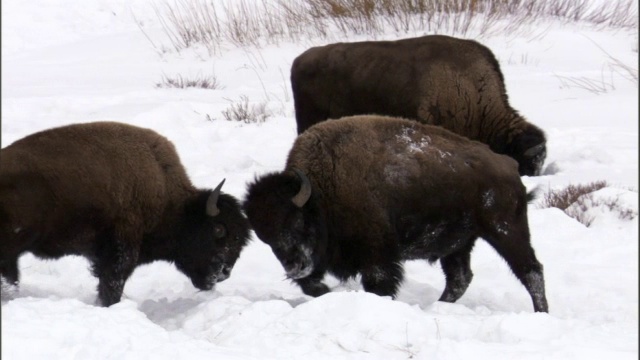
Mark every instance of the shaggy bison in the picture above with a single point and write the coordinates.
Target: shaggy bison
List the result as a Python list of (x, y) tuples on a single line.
[(119, 196), (362, 194), (438, 80)]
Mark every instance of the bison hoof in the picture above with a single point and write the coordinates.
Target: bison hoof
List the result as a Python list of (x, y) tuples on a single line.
[(9, 290), (315, 289)]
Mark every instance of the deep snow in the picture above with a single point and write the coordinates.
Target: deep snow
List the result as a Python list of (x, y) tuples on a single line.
[(68, 61)]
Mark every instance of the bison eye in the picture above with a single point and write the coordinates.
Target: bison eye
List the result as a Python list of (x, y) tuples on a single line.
[(219, 231)]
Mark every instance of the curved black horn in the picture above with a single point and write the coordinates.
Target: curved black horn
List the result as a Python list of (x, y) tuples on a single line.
[(304, 194), (212, 202), (533, 151)]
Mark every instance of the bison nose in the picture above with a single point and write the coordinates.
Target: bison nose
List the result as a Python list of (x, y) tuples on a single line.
[(224, 273), (292, 266), (298, 269), (289, 263)]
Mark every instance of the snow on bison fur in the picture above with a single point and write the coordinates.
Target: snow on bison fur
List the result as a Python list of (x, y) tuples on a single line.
[(364, 193), (438, 80), (119, 196)]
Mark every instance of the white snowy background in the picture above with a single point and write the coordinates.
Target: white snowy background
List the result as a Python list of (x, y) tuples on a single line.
[(71, 61)]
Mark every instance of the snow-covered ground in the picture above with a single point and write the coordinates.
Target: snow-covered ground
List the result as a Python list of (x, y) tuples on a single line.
[(69, 61)]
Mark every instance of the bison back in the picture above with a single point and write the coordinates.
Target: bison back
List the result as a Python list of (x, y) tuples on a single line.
[(374, 164), (401, 78), (114, 167)]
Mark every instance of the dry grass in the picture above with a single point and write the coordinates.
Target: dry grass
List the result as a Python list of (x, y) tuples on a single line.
[(604, 83), (242, 111), (254, 22), (616, 65), (564, 198), (599, 85), (189, 22), (576, 200), (180, 82)]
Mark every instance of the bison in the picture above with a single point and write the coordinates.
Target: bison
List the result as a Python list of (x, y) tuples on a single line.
[(118, 195), (362, 194), (438, 80)]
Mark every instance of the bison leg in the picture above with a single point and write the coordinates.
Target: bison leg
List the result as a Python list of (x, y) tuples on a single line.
[(383, 280), (9, 271), (116, 259), (8, 279), (521, 258), (312, 285), (458, 273), (307, 112)]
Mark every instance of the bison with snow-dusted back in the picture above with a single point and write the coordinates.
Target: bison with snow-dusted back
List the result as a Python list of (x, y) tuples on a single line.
[(118, 195), (362, 194), (437, 80)]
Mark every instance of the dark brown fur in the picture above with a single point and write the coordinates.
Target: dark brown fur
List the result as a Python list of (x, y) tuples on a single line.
[(118, 195), (438, 80), (385, 190)]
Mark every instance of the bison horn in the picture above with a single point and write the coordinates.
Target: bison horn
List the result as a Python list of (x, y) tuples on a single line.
[(533, 151), (212, 202), (303, 195)]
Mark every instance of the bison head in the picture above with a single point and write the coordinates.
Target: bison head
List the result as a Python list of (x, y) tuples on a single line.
[(529, 149), (214, 234), (285, 214)]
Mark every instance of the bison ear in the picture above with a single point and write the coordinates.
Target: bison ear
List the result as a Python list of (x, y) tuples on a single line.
[(304, 194), (212, 202)]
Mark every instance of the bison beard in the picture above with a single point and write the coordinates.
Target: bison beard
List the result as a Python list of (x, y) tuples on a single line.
[(362, 194), (435, 79)]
